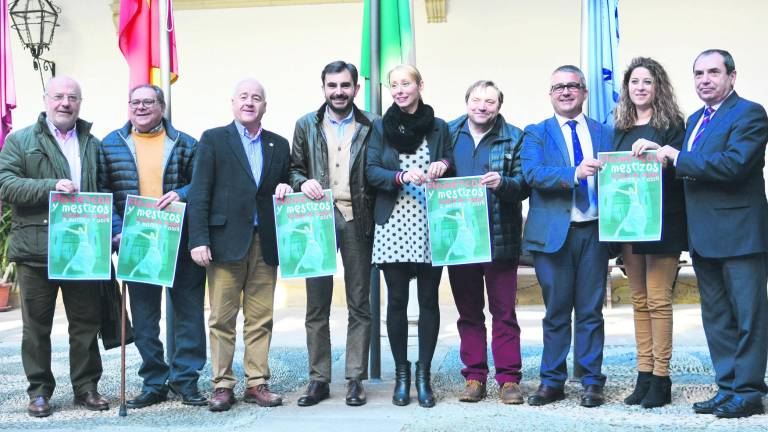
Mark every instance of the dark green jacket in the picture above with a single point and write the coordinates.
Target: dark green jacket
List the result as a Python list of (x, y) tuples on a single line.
[(309, 160), (31, 163)]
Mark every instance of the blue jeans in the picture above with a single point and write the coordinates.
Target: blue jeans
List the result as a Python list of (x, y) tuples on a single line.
[(189, 356)]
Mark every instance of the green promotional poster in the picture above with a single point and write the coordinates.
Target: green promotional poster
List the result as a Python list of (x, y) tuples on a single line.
[(457, 210), (306, 235), (150, 241), (629, 197), (79, 235)]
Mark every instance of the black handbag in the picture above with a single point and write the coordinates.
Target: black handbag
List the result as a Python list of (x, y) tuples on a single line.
[(111, 299)]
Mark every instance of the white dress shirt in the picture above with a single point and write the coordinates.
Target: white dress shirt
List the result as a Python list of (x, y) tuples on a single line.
[(585, 139)]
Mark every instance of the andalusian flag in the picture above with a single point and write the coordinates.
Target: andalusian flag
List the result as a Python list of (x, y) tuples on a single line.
[(396, 38), (603, 81), (140, 40)]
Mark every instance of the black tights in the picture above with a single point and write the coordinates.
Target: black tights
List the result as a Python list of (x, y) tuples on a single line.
[(397, 276)]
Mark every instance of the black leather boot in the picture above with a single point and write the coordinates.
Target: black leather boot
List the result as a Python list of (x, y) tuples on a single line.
[(424, 387), (660, 392), (641, 388), (402, 394)]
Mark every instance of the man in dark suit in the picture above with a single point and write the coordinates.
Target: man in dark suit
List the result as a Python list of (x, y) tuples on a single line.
[(559, 163), (232, 233), (722, 166)]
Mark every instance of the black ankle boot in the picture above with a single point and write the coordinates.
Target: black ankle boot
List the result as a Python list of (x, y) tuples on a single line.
[(660, 392), (402, 394), (424, 387), (641, 388)]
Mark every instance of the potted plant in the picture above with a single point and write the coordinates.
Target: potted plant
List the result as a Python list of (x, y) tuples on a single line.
[(6, 268)]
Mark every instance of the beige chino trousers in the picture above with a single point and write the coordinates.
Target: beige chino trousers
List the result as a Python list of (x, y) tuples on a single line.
[(251, 282)]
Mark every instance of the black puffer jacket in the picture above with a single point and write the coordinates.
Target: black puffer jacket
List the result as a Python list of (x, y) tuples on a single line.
[(119, 175), (506, 200)]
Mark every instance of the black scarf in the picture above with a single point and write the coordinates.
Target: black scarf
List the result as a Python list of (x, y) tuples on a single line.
[(405, 132)]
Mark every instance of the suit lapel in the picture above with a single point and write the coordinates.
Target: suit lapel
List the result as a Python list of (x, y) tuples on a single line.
[(692, 120), (596, 135), (236, 145), (267, 150), (717, 118), (554, 131)]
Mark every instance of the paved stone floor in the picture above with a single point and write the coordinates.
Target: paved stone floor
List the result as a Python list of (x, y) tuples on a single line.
[(691, 375)]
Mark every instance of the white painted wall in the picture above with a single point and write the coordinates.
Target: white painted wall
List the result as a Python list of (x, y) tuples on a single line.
[(514, 42)]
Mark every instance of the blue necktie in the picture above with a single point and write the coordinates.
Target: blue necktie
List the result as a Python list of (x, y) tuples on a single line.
[(704, 123), (582, 191)]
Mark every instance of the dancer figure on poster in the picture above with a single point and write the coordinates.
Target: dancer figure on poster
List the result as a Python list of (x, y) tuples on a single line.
[(152, 263), (464, 242), (313, 255), (84, 257), (635, 220)]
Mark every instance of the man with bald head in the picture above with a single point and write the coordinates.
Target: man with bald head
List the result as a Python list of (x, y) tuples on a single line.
[(57, 153), (232, 234)]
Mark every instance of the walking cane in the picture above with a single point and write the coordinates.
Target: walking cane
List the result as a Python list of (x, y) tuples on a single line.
[(123, 412)]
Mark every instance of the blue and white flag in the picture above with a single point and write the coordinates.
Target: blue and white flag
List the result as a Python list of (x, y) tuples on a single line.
[(604, 78)]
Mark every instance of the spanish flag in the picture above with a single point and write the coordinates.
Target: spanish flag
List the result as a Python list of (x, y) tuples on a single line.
[(139, 40)]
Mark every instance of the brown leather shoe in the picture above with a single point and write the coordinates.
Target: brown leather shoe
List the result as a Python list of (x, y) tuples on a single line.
[(92, 400), (510, 394), (39, 407), (222, 400), (474, 391), (261, 396)]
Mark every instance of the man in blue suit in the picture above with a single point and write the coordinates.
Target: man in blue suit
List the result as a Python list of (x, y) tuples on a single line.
[(722, 166), (559, 163)]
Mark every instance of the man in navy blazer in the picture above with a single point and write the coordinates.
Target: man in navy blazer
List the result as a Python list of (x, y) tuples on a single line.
[(232, 234), (722, 166), (559, 159)]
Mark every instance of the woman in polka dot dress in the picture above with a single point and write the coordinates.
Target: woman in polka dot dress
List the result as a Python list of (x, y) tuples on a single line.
[(408, 147)]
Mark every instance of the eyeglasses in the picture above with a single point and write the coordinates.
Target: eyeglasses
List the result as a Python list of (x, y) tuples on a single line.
[(149, 103), (60, 97), (571, 86)]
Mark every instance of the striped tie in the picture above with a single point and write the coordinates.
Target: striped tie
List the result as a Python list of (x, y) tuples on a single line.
[(704, 122)]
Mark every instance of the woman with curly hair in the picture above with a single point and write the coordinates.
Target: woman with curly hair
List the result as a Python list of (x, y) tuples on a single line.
[(647, 116)]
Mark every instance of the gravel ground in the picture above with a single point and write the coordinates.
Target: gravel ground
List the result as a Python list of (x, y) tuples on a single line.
[(692, 377), (288, 367), (691, 374)]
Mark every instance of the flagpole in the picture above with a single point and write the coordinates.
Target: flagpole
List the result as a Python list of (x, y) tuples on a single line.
[(165, 55), (584, 44), (375, 94), (165, 79), (412, 54), (578, 371)]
